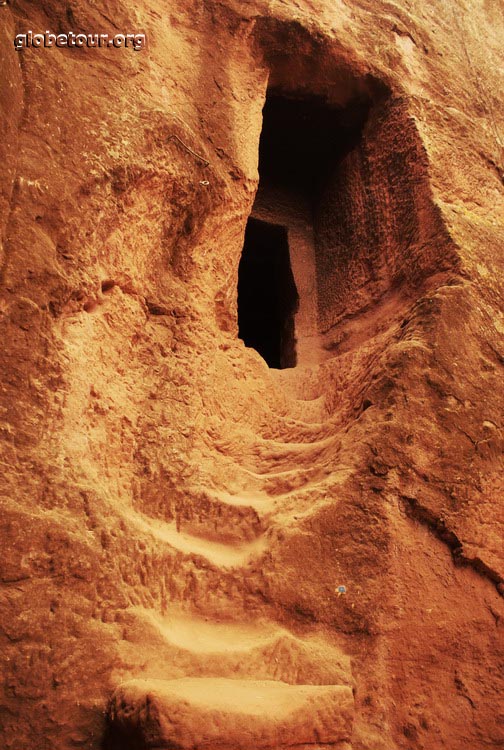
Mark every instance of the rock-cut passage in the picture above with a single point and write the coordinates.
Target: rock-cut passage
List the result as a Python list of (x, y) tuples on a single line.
[(267, 295), (303, 143)]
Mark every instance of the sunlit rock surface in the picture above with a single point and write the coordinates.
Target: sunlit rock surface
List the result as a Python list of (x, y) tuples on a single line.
[(177, 515)]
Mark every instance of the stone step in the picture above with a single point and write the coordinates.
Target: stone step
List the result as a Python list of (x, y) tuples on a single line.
[(228, 714), (219, 554), (225, 518), (184, 644)]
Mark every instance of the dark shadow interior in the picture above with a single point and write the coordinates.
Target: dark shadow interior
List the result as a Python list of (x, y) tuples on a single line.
[(267, 295), (302, 140)]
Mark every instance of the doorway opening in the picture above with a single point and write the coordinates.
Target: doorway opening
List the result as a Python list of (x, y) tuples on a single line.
[(303, 140), (267, 294)]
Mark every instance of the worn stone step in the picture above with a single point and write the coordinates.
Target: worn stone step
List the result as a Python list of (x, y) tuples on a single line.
[(219, 554), (183, 644), (222, 714)]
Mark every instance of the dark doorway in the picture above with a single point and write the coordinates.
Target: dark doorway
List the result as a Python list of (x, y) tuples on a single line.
[(302, 140), (267, 294), (303, 148)]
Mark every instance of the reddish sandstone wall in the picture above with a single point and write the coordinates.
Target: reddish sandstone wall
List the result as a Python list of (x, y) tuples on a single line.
[(377, 230), (170, 507)]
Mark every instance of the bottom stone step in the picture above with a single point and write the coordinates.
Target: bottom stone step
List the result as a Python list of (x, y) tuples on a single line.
[(225, 714)]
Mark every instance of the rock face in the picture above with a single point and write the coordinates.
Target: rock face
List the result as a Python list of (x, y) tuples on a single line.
[(200, 550)]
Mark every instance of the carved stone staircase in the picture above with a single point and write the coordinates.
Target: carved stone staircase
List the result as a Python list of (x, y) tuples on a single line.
[(219, 679)]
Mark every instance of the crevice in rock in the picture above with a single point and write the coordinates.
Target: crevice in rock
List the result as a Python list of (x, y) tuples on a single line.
[(107, 285), (156, 309), (438, 527)]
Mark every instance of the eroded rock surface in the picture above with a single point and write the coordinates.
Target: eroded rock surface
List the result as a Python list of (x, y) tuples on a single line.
[(200, 550)]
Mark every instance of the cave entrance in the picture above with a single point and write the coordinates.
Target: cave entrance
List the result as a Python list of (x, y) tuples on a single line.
[(303, 141), (267, 294)]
